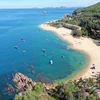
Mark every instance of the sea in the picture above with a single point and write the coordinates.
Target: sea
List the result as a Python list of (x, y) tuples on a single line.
[(22, 42)]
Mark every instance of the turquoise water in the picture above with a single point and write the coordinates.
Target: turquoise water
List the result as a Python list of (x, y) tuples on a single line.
[(18, 24)]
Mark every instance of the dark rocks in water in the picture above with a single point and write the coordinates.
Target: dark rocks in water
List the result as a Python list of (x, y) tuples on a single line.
[(22, 82), (32, 72), (32, 66), (9, 90)]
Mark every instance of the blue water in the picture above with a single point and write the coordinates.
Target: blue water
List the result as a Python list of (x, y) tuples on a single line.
[(17, 24)]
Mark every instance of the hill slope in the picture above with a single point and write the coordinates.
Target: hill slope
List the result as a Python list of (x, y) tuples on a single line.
[(89, 19), (93, 8)]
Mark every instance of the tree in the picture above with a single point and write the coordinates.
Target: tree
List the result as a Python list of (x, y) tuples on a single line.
[(64, 91), (69, 96), (77, 32), (39, 87), (91, 97), (81, 96), (84, 31)]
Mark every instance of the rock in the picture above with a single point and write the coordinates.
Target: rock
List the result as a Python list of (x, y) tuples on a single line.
[(22, 82)]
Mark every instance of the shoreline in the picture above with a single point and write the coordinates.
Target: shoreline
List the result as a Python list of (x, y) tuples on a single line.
[(81, 44)]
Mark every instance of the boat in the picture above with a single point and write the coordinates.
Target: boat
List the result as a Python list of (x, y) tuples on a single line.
[(43, 50), (44, 12), (63, 56), (22, 40), (45, 55), (51, 62), (16, 47), (24, 51), (52, 52)]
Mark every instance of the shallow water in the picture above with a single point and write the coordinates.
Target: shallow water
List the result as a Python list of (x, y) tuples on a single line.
[(19, 27)]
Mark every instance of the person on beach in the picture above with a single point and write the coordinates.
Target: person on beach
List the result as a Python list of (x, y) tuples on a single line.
[(93, 66)]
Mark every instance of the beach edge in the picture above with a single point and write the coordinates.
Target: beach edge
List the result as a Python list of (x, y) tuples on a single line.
[(86, 72)]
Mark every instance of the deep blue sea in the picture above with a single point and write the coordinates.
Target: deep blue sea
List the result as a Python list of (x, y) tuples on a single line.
[(20, 27)]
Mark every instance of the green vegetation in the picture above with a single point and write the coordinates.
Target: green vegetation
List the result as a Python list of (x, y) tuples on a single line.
[(55, 24), (77, 90), (88, 18), (77, 32), (82, 89), (37, 93)]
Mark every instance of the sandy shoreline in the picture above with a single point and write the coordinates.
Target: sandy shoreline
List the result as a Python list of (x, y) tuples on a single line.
[(83, 44)]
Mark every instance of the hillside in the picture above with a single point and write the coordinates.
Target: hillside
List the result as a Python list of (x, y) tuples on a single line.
[(93, 8), (87, 18), (82, 89)]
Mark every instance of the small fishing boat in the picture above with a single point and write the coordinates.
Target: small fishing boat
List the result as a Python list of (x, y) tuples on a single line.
[(51, 62), (43, 50), (22, 40), (24, 51), (45, 55), (44, 12), (63, 56), (16, 47)]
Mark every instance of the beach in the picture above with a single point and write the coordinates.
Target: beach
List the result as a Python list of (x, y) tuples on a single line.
[(82, 44)]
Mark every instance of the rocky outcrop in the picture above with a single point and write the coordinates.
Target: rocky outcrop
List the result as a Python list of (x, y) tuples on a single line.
[(22, 82)]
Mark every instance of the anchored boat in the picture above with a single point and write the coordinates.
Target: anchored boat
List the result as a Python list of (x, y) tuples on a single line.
[(16, 47), (51, 62)]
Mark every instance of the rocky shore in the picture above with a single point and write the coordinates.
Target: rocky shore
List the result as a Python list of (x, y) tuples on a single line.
[(22, 82)]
